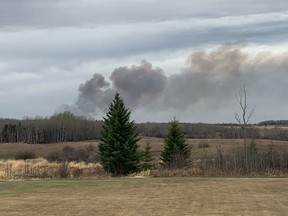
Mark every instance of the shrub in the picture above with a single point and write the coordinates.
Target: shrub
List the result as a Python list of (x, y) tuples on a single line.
[(77, 172), (25, 155), (54, 156), (67, 153), (63, 170), (90, 148), (80, 155), (93, 158), (203, 145), (2, 175)]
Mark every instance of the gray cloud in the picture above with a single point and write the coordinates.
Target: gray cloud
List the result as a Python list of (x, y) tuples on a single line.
[(64, 44), (49, 47), (77, 13)]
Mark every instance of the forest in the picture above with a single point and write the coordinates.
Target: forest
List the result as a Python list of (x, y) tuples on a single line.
[(66, 127)]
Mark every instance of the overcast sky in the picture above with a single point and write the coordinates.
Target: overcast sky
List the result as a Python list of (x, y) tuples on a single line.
[(167, 58)]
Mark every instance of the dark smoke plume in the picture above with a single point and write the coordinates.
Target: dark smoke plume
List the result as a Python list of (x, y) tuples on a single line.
[(94, 93), (139, 85), (209, 76)]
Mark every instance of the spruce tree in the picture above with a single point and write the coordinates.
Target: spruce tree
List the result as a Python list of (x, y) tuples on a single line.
[(147, 158), (176, 151), (118, 148)]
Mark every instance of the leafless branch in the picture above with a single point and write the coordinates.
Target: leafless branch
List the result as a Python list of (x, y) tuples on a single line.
[(246, 114), (242, 100)]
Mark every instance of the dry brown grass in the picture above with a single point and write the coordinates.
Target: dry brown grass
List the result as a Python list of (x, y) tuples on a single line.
[(9, 150), (41, 168), (148, 196), (226, 146)]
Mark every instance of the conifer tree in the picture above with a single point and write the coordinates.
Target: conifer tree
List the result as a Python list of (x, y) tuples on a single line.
[(147, 159), (176, 151), (118, 148)]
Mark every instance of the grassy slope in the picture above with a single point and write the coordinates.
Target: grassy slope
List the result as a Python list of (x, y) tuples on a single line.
[(148, 196), (9, 150)]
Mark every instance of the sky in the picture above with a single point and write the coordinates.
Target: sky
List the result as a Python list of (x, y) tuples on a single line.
[(184, 58)]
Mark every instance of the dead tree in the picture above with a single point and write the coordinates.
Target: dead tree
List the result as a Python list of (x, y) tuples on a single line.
[(244, 118)]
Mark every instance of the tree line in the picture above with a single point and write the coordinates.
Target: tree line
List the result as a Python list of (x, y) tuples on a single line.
[(61, 127), (64, 127), (274, 122)]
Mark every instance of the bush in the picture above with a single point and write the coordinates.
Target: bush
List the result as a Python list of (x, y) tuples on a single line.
[(67, 153), (80, 155), (86, 154), (90, 148), (203, 145), (25, 155), (54, 156), (63, 170), (93, 158), (77, 172)]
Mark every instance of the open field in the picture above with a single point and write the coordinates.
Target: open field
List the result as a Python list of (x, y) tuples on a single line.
[(146, 196), (9, 150)]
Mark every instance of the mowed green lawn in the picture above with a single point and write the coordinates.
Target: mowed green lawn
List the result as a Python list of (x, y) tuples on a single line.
[(146, 196)]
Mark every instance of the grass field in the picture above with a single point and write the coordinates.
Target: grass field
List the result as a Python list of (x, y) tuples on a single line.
[(146, 196), (9, 150)]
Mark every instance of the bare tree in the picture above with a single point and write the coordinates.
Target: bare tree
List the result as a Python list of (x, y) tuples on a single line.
[(244, 118), (246, 113)]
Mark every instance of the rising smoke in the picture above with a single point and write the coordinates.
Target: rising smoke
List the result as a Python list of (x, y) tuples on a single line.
[(140, 85), (207, 76)]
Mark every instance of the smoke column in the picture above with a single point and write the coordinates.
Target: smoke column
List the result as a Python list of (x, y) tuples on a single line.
[(208, 76)]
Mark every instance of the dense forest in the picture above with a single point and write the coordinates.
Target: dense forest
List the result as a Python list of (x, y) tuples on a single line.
[(65, 127), (60, 127)]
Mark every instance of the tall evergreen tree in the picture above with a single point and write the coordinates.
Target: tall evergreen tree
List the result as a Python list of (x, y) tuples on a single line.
[(118, 148), (176, 151)]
